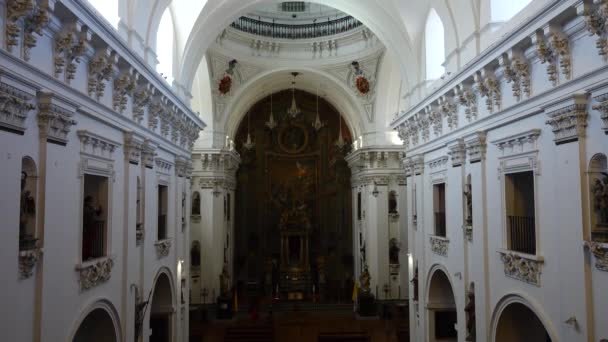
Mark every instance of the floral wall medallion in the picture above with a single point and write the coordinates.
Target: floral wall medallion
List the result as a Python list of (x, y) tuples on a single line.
[(225, 84)]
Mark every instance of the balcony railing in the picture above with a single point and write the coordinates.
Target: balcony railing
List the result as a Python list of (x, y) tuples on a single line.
[(440, 224), (93, 242), (522, 234), (305, 31), (162, 227)]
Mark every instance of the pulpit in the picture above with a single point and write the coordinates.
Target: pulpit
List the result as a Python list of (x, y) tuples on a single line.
[(295, 230)]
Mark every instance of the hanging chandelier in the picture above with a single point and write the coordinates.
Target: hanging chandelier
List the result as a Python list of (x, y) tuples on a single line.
[(294, 111), (317, 125), (248, 144), (340, 143), (271, 123)]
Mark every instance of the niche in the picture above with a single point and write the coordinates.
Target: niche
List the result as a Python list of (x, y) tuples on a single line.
[(94, 217), (598, 182), (27, 205)]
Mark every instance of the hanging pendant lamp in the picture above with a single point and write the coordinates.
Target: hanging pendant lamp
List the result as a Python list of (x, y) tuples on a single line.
[(317, 125), (294, 111), (249, 144), (271, 123), (340, 143)]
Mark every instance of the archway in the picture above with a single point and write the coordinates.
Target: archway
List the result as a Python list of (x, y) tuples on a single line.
[(441, 308), (518, 323), (162, 310), (98, 326)]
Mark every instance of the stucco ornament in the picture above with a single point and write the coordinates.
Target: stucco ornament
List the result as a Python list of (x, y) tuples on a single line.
[(600, 252), (95, 274), (27, 261), (225, 84), (162, 248), (522, 268), (439, 245)]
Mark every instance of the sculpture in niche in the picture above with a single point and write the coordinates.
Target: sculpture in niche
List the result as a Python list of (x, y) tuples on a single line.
[(225, 283), (27, 214), (468, 195), (393, 251), (598, 183), (600, 200), (365, 281), (470, 311), (195, 254), (414, 282), (91, 216), (392, 202), (196, 204)]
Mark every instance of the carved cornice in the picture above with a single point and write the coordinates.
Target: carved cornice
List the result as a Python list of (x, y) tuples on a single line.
[(163, 166), (102, 68), (600, 252), (457, 152), (487, 86), (522, 142), (163, 247), (133, 148), (568, 119), (95, 274), (70, 45), (124, 86), (217, 161), (438, 164), (468, 99), (96, 145), (54, 118), (15, 106), (522, 267), (439, 245), (27, 261), (553, 49), (596, 17), (369, 159), (476, 147)]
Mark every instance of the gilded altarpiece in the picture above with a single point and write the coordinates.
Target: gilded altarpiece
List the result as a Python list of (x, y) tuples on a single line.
[(293, 205)]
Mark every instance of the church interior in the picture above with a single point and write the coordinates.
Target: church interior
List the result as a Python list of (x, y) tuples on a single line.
[(315, 171)]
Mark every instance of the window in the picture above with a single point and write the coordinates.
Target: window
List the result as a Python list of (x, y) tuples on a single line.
[(519, 200), (27, 205), (435, 46), (598, 183), (94, 217), (163, 192), (196, 204), (502, 10), (439, 209), (293, 6), (108, 10), (164, 46)]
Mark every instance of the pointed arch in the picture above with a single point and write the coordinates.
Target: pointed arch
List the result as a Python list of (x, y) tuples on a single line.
[(434, 34), (165, 45)]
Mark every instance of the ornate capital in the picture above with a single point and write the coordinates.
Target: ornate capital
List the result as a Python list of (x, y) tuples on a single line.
[(553, 49), (602, 107), (568, 119), (54, 118), (15, 105), (181, 166), (148, 154), (522, 267), (102, 68), (600, 252), (457, 152), (418, 163), (95, 274), (27, 261), (163, 248), (133, 147), (476, 147), (439, 245)]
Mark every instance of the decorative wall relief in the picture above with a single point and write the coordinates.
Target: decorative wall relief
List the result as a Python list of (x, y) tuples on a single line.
[(449, 110), (439, 245), (102, 68), (568, 118), (225, 83), (600, 252), (163, 248), (362, 84), (436, 120), (70, 46), (521, 267), (27, 261), (32, 16), (553, 49), (124, 85), (468, 99), (595, 16), (141, 99), (517, 72), (95, 274), (487, 86)]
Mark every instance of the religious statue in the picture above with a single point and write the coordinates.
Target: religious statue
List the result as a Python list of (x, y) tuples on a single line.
[(414, 282), (600, 200), (225, 284), (196, 204), (470, 311), (91, 215), (27, 207), (393, 251), (365, 281), (468, 195)]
